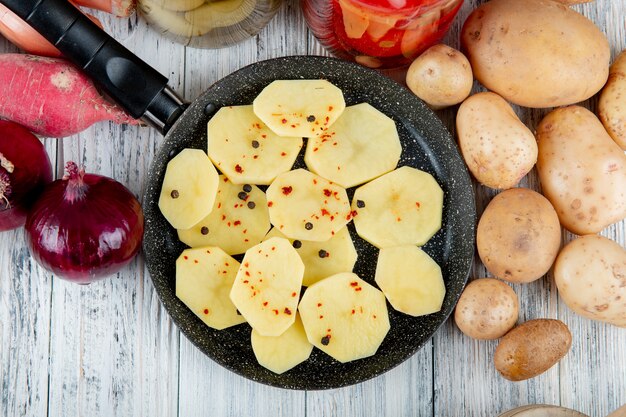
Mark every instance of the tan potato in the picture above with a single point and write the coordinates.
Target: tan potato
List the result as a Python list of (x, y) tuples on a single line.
[(582, 171), (523, 50), (497, 147), (518, 235), (441, 76), (487, 309), (612, 107), (590, 273), (532, 348)]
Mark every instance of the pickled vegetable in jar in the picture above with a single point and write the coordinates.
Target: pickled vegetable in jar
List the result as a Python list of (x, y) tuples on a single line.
[(208, 23)]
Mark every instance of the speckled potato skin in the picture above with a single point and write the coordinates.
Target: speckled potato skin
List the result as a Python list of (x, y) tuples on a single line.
[(612, 104), (523, 51), (532, 348), (590, 273), (487, 310), (441, 76), (497, 147), (582, 171), (518, 235)]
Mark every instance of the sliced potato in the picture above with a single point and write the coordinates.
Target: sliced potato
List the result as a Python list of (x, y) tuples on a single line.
[(245, 149), (305, 206), (223, 13), (238, 221), (281, 353), (169, 20), (267, 287), (189, 188), (361, 145), (178, 5), (344, 316), (204, 277), (323, 259), (410, 279), (403, 207), (299, 107), (355, 21)]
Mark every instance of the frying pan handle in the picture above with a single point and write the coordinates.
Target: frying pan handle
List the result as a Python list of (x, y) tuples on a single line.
[(132, 83)]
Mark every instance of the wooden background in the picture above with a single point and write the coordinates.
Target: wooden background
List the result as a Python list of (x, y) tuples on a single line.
[(109, 349)]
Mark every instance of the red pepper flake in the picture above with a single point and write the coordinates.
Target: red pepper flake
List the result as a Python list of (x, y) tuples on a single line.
[(334, 143), (283, 154), (293, 126), (185, 257), (246, 240), (245, 281), (245, 231), (226, 264), (349, 216), (273, 247), (195, 261), (330, 108), (283, 121), (287, 311), (314, 181), (338, 168), (206, 311), (238, 169), (287, 190), (270, 203), (275, 311), (219, 205), (247, 264), (325, 212), (255, 157), (264, 136), (353, 311), (247, 273), (236, 223), (398, 219), (321, 317), (228, 224), (254, 294), (257, 125), (208, 251), (358, 289), (354, 284), (332, 218), (417, 203), (223, 217), (354, 213), (327, 192), (319, 304), (264, 303), (293, 294), (315, 149), (374, 316), (327, 119)]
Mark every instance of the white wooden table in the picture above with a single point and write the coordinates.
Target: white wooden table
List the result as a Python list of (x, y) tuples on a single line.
[(110, 349)]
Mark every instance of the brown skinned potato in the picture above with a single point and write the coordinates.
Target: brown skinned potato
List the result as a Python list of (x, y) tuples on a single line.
[(523, 51), (612, 107), (532, 348), (518, 235)]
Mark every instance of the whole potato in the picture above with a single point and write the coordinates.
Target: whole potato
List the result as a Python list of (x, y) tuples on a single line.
[(532, 348), (487, 309), (590, 273), (536, 53), (518, 235), (441, 76), (497, 147), (612, 104), (582, 171)]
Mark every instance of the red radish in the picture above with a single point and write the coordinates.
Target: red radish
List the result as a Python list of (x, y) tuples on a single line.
[(24, 171), (121, 8), (26, 38), (84, 227), (51, 97)]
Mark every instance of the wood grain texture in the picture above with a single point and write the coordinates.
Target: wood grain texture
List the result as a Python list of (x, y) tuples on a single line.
[(110, 349)]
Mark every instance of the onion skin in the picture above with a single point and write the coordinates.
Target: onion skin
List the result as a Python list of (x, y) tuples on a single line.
[(86, 233), (31, 171)]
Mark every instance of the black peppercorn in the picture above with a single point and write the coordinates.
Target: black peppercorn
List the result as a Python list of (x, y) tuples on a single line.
[(243, 196), (247, 188), (297, 244), (251, 205), (322, 253), (308, 225), (204, 230), (325, 340), (360, 203), (174, 194)]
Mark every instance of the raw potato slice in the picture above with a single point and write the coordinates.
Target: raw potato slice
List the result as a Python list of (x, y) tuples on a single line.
[(204, 277), (281, 353), (223, 13), (238, 221), (344, 316), (168, 20), (355, 21), (299, 107), (189, 188), (267, 287), (246, 150), (403, 207), (411, 280), (361, 145), (323, 259), (305, 206), (178, 5)]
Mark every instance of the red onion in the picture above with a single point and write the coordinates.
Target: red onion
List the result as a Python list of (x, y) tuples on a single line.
[(24, 171), (84, 227)]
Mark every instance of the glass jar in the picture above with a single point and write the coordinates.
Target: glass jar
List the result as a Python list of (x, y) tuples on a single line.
[(379, 33), (208, 23)]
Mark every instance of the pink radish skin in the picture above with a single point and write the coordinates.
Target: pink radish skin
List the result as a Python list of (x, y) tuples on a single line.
[(51, 97), (26, 38), (121, 8)]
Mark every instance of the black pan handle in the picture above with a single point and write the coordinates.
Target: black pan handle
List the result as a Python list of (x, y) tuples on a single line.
[(128, 80)]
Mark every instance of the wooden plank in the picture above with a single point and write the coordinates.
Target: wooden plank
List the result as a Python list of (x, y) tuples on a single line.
[(113, 350)]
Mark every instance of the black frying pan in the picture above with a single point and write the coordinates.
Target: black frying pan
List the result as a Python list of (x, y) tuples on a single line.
[(426, 145)]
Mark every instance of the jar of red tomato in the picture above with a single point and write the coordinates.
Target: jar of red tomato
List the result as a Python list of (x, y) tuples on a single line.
[(379, 33)]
